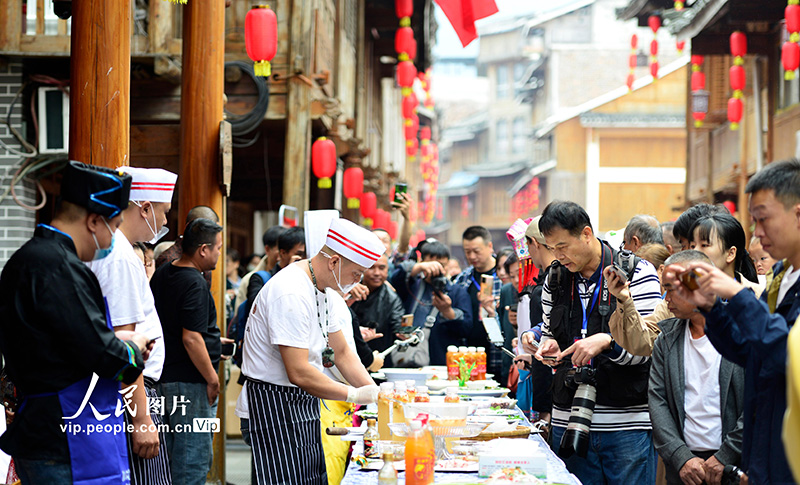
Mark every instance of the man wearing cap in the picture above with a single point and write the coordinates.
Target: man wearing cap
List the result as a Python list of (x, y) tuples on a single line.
[(60, 350), (293, 332), (131, 307)]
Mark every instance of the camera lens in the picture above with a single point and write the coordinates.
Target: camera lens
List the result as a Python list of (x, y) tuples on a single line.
[(575, 440)]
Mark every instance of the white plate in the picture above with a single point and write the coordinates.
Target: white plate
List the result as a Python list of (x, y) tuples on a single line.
[(417, 375), (456, 465), (499, 392)]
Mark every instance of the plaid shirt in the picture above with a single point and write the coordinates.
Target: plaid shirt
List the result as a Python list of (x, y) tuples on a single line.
[(494, 356)]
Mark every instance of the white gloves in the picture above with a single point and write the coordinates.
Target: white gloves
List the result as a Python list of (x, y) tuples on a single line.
[(362, 395)]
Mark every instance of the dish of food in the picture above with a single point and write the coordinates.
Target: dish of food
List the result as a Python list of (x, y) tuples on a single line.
[(454, 465), (513, 475)]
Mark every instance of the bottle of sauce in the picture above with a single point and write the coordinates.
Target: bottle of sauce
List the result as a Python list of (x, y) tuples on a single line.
[(422, 394), (371, 438), (481, 363), (452, 363), (472, 357), (420, 455), (385, 396), (388, 474), (451, 395)]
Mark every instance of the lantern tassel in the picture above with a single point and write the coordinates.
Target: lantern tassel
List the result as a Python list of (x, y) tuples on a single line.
[(368, 222), (261, 68), (353, 203), (324, 183), (789, 75), (734, 126)]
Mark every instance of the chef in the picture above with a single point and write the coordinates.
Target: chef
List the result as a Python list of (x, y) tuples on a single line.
[(60, 351), (293, 333)]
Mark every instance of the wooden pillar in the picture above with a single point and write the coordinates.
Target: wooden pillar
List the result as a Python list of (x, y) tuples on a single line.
[(100, 74), (296, 173), (202, 90)]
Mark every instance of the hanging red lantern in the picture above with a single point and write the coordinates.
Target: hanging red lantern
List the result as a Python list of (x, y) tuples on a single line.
[(412, 146), (698, 60), (654, 48), (323, 161), (698, 117), (464, 206), (629, 82), (654, 70), (632, 62), (261, 38), (353, 185), (737, 77), (404, 42), (425, 132), (404, 8), (369, 204), (680, 45), (698, 80), (410, 105), (735, 110), (792, 14), (738, 44), (406, 72), (699, 95), (409, 130), (730, 205), (790, 57), (654, 21), (634, 41)]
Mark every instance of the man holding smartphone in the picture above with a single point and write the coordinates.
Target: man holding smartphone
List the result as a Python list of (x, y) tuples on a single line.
[(131, 307)]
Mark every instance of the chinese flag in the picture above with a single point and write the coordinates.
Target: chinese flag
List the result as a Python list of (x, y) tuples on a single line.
[(462, 14)]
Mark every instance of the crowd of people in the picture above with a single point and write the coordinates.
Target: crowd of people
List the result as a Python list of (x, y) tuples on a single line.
[(658, 358)]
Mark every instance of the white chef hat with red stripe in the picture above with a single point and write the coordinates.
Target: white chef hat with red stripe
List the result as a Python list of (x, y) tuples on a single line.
[(354, 242), (153, 184)]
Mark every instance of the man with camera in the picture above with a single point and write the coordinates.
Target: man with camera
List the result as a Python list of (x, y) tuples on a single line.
[(439, 306), (614, 444)]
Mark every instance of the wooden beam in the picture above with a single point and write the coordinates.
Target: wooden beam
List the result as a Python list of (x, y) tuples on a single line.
[(100, 75), (159, 26), (298, 108), (202, 91), (11, 25), (40, 17)]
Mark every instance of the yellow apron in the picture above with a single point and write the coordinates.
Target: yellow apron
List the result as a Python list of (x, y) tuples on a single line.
[(791, 422), (335, 414)]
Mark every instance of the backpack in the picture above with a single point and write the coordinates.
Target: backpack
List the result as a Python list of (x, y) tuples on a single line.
[(238, 323)]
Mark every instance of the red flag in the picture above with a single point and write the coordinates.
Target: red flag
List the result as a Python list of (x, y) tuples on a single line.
[(462, 14)]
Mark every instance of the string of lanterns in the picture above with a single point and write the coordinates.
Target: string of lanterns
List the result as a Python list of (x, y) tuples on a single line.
[(738, 78), (790, 52), (632, 62), (654, 21), (699, 94)]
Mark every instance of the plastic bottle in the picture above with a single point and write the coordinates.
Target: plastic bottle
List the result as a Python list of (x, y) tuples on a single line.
[(451, 395), (388, 474), (371, 438), (481, 363), (411, 390), (463, 352), (452, 363), (472, 357), (400, 397), (420, 456), (422, 394), (385, 397)]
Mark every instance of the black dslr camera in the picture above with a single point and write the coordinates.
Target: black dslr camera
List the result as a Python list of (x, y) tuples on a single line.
[(576, 438), (439, 284)]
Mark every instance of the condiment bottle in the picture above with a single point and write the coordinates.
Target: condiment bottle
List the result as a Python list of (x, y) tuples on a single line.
[(371, 438), (420, 456), (452, 363), (385, 397), (422, 394), (388, 474), (451, 395), (472, 357), (481, 363)]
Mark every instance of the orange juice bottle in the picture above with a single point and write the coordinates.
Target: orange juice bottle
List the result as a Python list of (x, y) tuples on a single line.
[(385, 397), (472, 357), (420, 456), (481, 363), (452, 363)]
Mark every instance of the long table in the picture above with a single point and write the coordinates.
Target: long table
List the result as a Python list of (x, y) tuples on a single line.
[(556, 471)]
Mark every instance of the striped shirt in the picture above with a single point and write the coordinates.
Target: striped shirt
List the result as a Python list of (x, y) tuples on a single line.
[(646, 293)]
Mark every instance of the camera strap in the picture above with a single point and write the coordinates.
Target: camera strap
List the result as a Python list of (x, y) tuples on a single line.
[(595, 295)]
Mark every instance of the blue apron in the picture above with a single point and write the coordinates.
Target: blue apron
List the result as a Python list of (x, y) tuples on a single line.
[(525, 393)]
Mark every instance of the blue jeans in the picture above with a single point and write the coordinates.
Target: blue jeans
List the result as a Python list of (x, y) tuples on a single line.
[(613, 457), (190, 452), (45, 472)]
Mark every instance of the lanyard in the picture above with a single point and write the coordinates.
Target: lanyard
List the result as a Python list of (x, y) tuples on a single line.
[(477, 284), (597, 287)]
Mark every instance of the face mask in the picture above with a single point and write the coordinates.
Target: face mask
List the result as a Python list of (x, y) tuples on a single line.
[(156, 235), (102, 253), (344, 289)]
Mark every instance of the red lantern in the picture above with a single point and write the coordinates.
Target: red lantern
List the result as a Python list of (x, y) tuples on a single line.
[(421, 235), (790, 56), (737, 76), (680, 45), (698, 81), (735, 110), (409, 130), (412, 147), (632, 62), (404, 8), (730, 205), (261, 38), (369, 204), (323, 161), (392, 230), (629, 81), (698, 60), (425, 132), (738, 44), (353, 184), (792, 14), (406, 72), (654, 69), (410, 104), (698, 118), (404, 43), (654, 48), (654, 21), (634, 41)]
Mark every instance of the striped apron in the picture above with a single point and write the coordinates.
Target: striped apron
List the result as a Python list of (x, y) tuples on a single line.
[(154, 471), (285, 435)]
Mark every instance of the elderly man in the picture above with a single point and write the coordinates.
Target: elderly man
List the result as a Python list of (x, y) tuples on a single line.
[(641, 230), (382, 310), (293, 332), (131, 307)]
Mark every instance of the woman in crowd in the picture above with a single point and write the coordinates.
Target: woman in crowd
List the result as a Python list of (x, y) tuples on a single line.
[(722, 238)]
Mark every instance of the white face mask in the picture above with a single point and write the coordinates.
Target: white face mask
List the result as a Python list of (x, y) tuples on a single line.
[(344, 289), (100, 253), (156, 235)]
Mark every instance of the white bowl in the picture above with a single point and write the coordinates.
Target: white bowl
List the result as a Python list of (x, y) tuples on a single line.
[(419, 376)]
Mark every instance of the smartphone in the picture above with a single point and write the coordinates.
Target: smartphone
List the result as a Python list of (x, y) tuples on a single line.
[(408, 321), (622, 275), (550, 358), (229, 349), (399, 188), (487, 283), (689, 279), (153, 340)]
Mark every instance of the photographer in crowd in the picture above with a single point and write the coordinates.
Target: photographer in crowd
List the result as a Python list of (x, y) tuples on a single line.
[(437, 304), (615, 446)]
